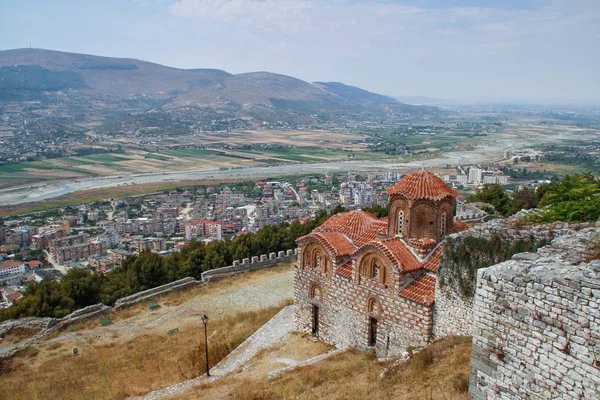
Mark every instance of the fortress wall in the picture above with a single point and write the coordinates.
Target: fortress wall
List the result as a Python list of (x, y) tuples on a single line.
[(263, 261), (452, 310), (536, 325)]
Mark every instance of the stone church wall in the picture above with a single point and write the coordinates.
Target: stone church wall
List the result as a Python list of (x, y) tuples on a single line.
[(344, 315), (537, 325)]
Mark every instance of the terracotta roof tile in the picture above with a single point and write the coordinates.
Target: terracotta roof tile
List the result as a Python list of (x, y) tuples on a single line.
[(10, 264), (372, 233), (14, 296), (352, 224), (422, 185), (398, 253), (432, 263), (335, 242), (459, 226), (421, 290), (346, 269)]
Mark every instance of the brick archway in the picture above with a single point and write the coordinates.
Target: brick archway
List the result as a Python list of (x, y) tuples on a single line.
[(374, 265), (314, 255), (315, 292)]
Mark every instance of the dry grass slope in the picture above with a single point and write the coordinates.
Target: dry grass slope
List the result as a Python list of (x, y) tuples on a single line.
[(147, 362), (439, 372)]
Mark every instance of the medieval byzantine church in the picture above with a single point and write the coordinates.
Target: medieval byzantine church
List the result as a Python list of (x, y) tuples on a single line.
[(364, 281)]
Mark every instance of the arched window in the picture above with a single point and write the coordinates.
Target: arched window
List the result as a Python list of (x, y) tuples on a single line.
[(375, 270), (400, 223), (443, 224), (307, 258), (318, 262), (373, 306), (315, 292)]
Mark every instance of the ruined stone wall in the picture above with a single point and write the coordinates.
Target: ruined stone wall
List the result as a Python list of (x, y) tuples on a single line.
[(537, 325), (452, 310), (344, 312)]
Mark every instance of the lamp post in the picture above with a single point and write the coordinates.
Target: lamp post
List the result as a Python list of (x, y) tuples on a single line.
[(205, 321)]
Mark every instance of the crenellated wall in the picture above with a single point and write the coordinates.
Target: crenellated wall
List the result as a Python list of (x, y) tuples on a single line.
[(255, 262)]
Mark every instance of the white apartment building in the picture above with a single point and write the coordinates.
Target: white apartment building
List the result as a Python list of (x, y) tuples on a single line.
[(475, 176)]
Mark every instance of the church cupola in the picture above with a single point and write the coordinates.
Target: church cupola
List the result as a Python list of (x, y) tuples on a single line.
[(421, 209)]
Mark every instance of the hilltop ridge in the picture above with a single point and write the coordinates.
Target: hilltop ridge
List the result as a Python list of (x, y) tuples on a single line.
[(39, 73)]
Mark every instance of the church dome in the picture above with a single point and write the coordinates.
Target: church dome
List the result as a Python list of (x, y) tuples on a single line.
[(422, 185)]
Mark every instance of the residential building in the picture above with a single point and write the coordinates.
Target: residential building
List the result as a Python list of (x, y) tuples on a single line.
[(203, 229)]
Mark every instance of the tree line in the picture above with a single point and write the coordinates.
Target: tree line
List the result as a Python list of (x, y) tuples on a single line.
[(575, 198), (83, 287)]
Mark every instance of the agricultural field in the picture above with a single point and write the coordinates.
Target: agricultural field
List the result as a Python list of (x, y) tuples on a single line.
[(194, 152), (452, 142)]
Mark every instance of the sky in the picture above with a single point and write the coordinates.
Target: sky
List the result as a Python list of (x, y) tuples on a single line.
[(534, 50)]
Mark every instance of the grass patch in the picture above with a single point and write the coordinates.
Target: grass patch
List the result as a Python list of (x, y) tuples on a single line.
[(105, 158), (17, 335), (187, 153)]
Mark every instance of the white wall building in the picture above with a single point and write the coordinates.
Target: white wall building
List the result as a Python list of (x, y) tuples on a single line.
[(475, 176)]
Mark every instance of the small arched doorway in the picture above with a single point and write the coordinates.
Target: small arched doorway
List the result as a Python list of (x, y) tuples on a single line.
[(315, 295), (373, 308)]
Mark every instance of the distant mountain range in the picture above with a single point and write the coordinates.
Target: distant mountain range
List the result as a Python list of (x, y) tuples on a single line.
[(27, 74)]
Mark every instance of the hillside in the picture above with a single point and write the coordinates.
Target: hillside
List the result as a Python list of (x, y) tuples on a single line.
[(354, 93), (37, 74), (144, 350)]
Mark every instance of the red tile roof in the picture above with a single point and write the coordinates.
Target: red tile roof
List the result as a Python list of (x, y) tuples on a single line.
[(421, 290), (398, 253), (422, 185), (12, 297), (335, 242), (372, 233), (34, 263), (10, 264), (432, 263), (352, 224), (459, 226), (346, 269)]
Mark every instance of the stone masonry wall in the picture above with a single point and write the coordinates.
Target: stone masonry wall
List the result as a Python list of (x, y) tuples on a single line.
[(452, 312), (247, 264), (537, 325), (344, 315)]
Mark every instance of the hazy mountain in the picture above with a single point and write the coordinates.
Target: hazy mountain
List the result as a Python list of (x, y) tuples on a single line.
[(426, 101), (34, 73), (353, 93)]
